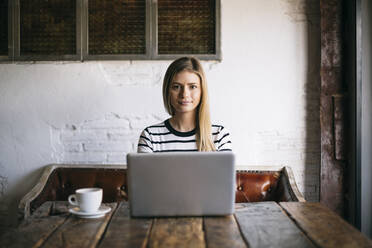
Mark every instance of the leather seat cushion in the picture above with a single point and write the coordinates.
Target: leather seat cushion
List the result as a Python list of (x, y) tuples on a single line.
[(252, 186)]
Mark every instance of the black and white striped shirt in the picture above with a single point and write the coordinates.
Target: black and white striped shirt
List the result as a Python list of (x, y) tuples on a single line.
[(163, 137)]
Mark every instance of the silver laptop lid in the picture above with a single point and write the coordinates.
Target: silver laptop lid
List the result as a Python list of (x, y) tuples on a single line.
[(181, 183)]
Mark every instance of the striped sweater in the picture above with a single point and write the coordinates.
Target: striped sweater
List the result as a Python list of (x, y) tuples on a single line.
[(163, 137)]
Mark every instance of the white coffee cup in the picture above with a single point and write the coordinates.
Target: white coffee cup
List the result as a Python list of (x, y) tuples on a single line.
[(87, 199)]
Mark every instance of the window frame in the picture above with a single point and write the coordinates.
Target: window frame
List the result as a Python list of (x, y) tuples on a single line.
[(10, 34), (82, 35)]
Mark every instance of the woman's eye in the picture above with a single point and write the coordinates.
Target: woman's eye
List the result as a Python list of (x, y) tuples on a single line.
[(194, 86), (175, 87)]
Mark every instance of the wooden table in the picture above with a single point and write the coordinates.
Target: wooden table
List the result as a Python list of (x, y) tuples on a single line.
[(263, 224)]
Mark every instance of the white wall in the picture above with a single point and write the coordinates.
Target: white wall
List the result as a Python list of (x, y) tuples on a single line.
[(265, 91)]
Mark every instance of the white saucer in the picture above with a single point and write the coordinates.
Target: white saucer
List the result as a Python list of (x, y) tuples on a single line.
[(100, 212)]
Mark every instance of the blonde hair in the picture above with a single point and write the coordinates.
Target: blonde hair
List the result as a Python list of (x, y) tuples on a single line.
[(203, 121)]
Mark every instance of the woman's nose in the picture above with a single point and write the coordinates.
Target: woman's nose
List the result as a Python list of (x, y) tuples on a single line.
[(184, 92)]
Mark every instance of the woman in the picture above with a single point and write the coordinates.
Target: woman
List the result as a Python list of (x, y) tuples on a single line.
[(185, 97)]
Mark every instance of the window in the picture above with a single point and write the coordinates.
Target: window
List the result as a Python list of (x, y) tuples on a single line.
[(186, 27), (3, 28), (47, 27), (123, 31), (109, 30)]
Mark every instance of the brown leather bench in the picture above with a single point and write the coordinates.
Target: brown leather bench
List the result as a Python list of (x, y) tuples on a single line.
[(59, 181)]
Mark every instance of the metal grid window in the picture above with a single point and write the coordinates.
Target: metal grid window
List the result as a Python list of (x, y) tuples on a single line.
[(47, 28), (53, 30), (4, 28)]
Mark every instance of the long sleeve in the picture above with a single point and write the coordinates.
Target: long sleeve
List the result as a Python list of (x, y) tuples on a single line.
[(223, 140), (144, 143)]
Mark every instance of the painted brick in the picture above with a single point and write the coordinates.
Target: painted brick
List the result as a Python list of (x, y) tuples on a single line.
[(117, 158), (122, 135), (99, 141), (288, 157), (135, 146), (106, 124), (113, 116), (110, 146), (287, 146), (84, 157), (72, 147), (130, 74), (268, 133), (67, 136)]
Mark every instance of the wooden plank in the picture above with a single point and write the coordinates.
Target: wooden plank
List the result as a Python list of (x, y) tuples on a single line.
[(126, 231), (323, 226), (33, 231), (177, 232), (264, 224), (222, 232), (78, 232)]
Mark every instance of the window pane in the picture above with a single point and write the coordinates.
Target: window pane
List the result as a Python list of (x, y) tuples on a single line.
[(48, 27), (186, 27), (3, 27), (117, 27)]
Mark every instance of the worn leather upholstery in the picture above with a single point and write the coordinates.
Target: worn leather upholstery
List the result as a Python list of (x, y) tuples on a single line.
[(252, 186), (255, 187)]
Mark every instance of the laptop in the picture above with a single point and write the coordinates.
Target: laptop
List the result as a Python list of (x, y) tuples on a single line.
[(181, 184)]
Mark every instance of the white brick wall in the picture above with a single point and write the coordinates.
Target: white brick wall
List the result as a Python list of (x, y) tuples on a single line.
[(104, 141), (295, 148), (148, 73)]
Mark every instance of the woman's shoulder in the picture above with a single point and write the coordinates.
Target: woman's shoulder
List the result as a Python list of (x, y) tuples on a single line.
[(217, 128), (219, 131), (155, 128), (221, 138)]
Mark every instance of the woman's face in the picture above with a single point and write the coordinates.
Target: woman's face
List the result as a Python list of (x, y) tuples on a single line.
[(185, 92)]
